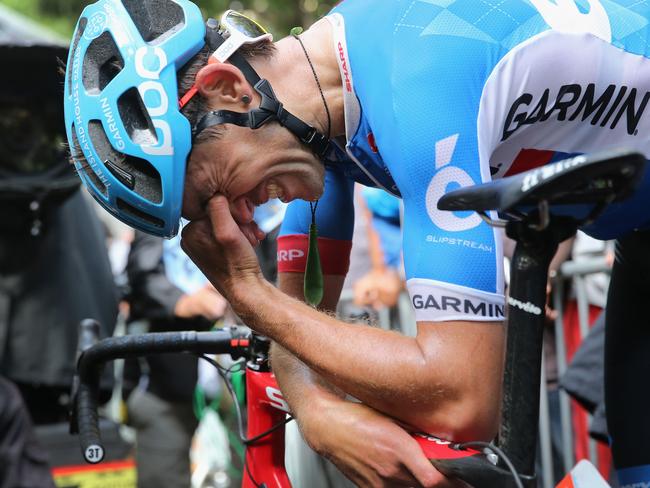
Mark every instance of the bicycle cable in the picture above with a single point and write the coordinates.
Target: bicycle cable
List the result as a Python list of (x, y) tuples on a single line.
[(250, 475), (486, 445), (240, 422)]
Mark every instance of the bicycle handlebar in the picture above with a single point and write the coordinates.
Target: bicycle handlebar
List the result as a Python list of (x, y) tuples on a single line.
[(480, 468), (84, 418), (85, 409)]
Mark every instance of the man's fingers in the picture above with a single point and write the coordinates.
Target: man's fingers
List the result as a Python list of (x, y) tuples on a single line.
[(224, 228), (259, 233), (419, 466), (195, 234)]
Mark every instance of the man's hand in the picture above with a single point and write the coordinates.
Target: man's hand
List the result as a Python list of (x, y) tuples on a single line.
[(372, 450), (223, 249), (378, 289), (206, 302)]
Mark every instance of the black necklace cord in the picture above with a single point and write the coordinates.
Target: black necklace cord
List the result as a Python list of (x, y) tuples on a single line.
[(270, 109), (313, 206), (313, 286), (320, 89)]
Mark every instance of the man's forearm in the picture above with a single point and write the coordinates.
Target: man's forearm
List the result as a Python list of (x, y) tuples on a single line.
[(409, 378), (300, 385)]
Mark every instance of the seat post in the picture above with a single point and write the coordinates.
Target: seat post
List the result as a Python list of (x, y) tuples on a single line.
[(526, 320)]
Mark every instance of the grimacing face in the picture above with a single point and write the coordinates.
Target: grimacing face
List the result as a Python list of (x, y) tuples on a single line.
[(250, 168)]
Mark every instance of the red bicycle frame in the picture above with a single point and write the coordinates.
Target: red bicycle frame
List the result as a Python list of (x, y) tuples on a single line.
[(266, 409)]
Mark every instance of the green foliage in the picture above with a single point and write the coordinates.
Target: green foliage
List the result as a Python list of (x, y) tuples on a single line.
[(277, 15)]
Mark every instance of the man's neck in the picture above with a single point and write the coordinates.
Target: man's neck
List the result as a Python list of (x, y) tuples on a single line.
[(295, 85)]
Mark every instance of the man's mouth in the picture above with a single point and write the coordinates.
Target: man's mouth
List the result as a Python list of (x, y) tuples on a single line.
[(273, 190)]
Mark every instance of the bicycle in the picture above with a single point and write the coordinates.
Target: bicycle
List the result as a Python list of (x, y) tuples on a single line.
[(529, 200)]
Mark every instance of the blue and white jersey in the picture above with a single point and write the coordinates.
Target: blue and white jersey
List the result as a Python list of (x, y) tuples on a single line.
[(441, 94)]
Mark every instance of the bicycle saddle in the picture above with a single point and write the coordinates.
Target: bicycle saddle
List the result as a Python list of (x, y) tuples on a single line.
[(600, 179)]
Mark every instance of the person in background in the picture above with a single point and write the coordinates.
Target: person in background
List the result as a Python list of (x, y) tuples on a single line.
[(54, 269), (167, 293), (24, 462), (382, 285)]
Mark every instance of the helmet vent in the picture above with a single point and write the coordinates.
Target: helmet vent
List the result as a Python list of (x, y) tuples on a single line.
[(136, 119), (102, 63), (142, 178), (85, 169), (156, 20), (73, 51), (134, 213)]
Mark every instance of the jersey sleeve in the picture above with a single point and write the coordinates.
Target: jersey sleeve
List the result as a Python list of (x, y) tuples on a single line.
[(335, 222), (453, 260)]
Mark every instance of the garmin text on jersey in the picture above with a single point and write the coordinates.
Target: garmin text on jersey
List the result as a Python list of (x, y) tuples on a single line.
[(609, 107), (459, 305)]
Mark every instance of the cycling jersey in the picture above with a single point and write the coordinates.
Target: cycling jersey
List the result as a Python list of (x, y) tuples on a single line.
[(447, 93)]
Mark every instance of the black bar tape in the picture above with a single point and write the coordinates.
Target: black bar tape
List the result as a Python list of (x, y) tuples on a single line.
[(92, 448), (216, 342), (93, 358)]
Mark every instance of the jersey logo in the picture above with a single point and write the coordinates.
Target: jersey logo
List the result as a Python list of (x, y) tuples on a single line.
[(525, 306), (615, 104), (290, 254), (446, 303), (445, 176), (565, 16)]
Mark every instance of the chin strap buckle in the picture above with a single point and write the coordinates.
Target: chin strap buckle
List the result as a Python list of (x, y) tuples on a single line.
[(316, 141), (270, 106)]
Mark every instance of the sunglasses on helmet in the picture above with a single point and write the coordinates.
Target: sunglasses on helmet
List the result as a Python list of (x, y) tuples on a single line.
[(237, 30)]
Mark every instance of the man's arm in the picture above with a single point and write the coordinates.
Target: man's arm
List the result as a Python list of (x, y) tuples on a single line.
[(436, 381), (445, 381), (368, 447), (299, 384), (335, 219)]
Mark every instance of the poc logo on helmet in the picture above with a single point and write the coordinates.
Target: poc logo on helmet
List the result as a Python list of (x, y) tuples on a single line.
[(446, 175), (149, 62), (96, 25)]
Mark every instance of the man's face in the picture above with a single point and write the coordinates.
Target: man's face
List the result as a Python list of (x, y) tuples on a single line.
[(250, 168)]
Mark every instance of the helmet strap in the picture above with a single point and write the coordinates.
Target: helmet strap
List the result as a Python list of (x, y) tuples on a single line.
[(270, 109)]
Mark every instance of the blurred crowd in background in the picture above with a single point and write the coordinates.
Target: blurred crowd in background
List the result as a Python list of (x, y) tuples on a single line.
[(279, 16), (168, 422)]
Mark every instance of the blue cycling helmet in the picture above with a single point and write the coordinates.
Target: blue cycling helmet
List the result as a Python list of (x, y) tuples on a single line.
[(128, 138)]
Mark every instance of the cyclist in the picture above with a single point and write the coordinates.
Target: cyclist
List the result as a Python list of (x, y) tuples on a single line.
[(416, 97)]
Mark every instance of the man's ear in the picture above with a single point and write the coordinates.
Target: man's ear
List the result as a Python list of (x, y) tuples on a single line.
[(223, 84)]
